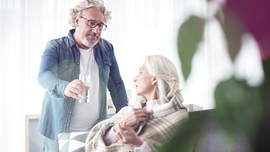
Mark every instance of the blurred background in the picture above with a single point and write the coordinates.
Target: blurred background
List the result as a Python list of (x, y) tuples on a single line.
[(137, 29)]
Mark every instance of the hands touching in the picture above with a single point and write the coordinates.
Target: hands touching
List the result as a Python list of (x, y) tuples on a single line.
[(134, 116), (74, 87), (130, 138)]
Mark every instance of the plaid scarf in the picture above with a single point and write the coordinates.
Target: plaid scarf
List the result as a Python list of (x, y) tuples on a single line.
[(160, 126)]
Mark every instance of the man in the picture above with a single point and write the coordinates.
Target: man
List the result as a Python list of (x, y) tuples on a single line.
[(64, 59)]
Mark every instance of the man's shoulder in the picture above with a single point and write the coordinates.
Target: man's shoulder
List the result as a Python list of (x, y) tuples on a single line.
[(103, 41), (104, 44), (62, 42)]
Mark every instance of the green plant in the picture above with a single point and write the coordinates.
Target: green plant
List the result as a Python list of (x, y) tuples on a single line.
[(253, 120)]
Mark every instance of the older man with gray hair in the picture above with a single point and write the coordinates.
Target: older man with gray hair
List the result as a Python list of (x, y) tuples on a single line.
[(63, 60)]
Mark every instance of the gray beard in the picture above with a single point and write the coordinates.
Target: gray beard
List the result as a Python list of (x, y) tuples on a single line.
[(87, 43)]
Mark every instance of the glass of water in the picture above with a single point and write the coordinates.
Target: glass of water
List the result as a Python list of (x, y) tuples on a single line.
[(86, 80)]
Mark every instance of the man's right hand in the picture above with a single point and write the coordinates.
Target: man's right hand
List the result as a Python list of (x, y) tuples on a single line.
[(74, 88)]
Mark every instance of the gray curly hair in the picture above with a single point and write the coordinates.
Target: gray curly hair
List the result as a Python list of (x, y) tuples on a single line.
[(78, 10), (166, 73)]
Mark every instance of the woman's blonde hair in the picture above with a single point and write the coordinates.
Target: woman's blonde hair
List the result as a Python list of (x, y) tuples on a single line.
[(166, 73), (78, 10)]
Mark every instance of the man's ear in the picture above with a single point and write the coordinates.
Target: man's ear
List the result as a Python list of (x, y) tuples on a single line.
[(154, 80), (77, 21)]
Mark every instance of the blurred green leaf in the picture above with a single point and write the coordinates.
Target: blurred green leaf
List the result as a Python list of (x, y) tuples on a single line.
[(233, 30), (265, 88), (186, 136), (189, 36), (261, 142), (238, 107)]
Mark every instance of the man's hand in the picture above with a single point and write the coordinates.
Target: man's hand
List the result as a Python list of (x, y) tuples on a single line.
[(134, 116), (74, 87), (130, 138)]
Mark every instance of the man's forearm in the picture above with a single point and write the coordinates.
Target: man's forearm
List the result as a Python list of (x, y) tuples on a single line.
[(52, 84)]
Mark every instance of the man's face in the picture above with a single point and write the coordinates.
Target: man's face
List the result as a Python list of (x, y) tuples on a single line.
[(89, 36)]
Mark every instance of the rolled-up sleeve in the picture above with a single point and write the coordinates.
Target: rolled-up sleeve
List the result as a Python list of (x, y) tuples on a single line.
[(47, 77)]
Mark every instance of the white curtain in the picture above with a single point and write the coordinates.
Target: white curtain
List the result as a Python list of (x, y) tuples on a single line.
[(25, 28), (138, 28)]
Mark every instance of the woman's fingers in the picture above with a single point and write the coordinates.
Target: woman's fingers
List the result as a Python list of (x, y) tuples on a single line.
[(120, 134), (141, 115), (130, 137), (134, 116), (130, 131), (139, 110), (141, 119)]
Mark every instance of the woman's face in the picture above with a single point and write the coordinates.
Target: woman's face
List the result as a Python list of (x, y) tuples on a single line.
[(144, 82)]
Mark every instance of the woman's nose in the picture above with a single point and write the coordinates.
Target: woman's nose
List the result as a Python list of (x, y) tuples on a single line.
[(135, 79)]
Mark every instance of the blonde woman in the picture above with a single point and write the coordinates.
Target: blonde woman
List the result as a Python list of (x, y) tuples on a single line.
[(152, 120)]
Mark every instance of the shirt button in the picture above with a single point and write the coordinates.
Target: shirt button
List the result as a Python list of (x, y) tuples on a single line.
[(78, 53), (77, 74), (65, 65), (67, 124), (77, 62), (69, 112)]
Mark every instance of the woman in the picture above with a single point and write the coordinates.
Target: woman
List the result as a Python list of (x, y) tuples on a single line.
[(152, 120)]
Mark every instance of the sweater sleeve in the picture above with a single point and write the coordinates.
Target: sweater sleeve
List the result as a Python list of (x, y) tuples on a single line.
[(147, 148), (143, 148), (109, 137)]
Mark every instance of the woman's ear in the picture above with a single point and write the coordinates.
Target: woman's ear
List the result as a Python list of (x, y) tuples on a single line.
[(154, 80)]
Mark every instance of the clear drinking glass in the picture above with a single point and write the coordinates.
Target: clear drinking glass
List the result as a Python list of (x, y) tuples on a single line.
[(86, 80)]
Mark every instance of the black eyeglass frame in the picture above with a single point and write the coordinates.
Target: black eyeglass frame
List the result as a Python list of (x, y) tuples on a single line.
[(104, 26)]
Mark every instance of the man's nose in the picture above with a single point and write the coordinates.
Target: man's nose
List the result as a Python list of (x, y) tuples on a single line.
[(96, 29)]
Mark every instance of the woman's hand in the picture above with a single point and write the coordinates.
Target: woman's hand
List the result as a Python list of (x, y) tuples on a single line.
[(130, 138), (134, 116)]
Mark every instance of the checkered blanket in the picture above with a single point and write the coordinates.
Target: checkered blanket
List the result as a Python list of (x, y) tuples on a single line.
[(161, 124)]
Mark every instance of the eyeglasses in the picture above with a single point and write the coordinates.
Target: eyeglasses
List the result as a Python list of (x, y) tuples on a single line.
[(93, 24)]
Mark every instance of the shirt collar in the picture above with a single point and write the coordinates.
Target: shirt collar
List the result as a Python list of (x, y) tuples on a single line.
[(72, 41), (70, 37)]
